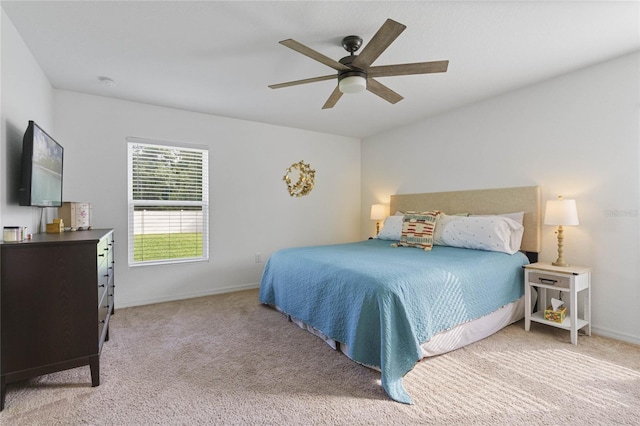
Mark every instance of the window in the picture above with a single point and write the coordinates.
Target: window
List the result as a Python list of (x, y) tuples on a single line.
[(168, 202)]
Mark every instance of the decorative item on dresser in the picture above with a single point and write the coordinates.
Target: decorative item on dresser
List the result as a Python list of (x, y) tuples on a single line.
[(56, 299)]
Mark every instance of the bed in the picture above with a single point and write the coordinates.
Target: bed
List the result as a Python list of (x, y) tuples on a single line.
[(387, 307)]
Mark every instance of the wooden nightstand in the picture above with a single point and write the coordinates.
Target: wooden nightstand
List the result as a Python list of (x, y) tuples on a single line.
[(570, 279)]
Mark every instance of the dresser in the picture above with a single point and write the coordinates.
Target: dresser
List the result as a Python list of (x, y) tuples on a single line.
[(56, 299)]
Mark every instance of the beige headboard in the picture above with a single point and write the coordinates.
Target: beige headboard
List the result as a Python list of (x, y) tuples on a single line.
[(482, 201)]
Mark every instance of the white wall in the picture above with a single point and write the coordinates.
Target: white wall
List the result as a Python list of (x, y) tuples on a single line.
[(251, 210), (576, 135), (26, 94)]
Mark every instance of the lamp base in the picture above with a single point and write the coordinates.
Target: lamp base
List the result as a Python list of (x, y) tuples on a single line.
[(560, 260)]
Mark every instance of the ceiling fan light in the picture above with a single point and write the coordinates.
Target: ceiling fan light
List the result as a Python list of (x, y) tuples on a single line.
[(352, 84)]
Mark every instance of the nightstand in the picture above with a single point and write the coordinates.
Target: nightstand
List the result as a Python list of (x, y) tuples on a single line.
[(573, 280)]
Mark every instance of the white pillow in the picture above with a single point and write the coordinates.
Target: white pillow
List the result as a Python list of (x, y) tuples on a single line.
[(518, 217), (391, 228), (492, 233), (441, 223)]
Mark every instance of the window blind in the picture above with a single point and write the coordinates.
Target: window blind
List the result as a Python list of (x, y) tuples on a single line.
[(168, 202)]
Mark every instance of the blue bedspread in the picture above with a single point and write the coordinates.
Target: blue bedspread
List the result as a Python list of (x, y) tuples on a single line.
[(383, 302)]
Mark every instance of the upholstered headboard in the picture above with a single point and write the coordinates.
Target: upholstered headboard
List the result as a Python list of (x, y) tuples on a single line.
[(482, 201)]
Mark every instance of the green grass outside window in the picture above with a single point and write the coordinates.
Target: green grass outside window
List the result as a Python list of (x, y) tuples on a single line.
[(166, 246)]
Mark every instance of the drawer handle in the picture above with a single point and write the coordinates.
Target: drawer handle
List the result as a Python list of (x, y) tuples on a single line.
[(548, 281), (101, 255), (101, 285)]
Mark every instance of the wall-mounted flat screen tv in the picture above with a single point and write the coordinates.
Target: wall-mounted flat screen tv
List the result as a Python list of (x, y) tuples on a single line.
[(41, 183)]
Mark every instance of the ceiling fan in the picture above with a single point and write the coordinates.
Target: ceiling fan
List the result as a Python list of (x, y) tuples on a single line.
[(355, 72)]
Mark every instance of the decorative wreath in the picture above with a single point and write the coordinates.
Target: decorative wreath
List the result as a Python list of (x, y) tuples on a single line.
[(306, 179)]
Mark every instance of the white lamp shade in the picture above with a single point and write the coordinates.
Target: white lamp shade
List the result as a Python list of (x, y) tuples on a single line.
[(561, 212), (378, 212), (352, 84)]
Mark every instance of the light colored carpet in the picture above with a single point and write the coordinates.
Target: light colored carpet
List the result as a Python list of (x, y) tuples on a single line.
[(223, 360)]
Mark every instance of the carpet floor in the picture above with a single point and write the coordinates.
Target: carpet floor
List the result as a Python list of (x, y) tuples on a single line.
[(226, 359)]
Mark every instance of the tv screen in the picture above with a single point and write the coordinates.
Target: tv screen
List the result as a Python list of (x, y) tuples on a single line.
[(41, 169)]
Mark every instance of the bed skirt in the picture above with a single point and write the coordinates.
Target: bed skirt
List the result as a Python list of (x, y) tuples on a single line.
[(448, 340)]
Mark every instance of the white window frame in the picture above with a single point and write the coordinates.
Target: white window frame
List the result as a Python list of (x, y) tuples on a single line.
[(204, 204)]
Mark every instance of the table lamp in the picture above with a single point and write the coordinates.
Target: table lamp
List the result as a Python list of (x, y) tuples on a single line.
[(378, 213), (561, 212)]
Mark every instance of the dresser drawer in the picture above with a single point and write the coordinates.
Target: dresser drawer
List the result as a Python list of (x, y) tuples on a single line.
[(103, 311), (103, 247), (105, 265), (103, 308), (103, 280), (561, 281), (102, 290)]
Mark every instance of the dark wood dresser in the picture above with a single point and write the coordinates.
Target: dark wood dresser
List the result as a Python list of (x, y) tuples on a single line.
[(56, 299)]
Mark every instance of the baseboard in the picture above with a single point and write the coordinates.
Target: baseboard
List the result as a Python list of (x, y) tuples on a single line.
[(211, 292), (615, 335)]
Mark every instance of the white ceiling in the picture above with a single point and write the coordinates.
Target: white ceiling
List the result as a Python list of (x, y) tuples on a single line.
[(218, 57)]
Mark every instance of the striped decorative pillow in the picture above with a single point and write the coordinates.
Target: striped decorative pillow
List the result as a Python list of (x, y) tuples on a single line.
[(417, 229)]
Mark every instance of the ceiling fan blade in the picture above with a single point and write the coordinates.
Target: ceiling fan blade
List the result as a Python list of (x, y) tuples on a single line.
[(383, 91), (387, 33), (408, 69), (333, 98), (317, 56), (305, 81)]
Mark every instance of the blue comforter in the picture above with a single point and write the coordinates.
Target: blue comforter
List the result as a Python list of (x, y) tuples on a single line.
[(383, 302)]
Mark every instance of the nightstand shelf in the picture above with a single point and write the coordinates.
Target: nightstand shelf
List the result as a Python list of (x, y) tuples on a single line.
[(574, 280), (566, 324)]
